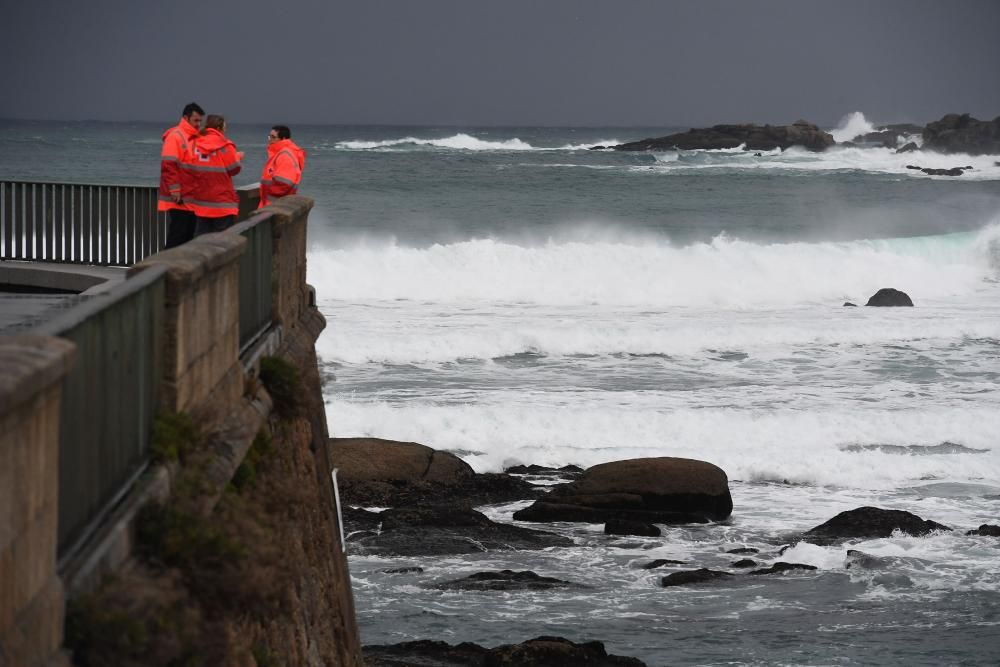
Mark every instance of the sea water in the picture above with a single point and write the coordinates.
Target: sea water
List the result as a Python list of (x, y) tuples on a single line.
[(513, 297)]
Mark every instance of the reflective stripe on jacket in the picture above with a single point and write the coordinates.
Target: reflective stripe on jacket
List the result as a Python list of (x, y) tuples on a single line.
[(282, 172), (176, 142), (209, 167)]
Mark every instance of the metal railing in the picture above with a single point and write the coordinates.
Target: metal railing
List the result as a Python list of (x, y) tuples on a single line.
[(110, 398), (105, 225), (255, 279)]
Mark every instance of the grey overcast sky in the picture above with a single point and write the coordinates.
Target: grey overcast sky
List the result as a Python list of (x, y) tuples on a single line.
[(503, 62)]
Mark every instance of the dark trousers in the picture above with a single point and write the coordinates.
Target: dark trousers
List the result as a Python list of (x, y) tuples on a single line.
[(211, 225), (180, 227)]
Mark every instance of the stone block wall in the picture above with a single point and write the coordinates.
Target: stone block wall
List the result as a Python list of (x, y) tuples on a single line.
[(31, 593), (291, 293)]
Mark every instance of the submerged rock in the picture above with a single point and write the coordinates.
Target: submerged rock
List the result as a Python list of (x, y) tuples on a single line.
[(888, 297), (956, 133), (505, 580), (688, 577), (440, 530), (743, 550), (860, 560), (782, 566), (623, 527), (986, 529), (745, 562), (752, 137), (869, 523), (660, 562), (848, 304), (652, 490), (538, 652), (908, 148)]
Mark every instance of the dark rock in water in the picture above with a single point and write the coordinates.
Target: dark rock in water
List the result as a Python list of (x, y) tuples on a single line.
[(597, 148), (913, 166), (386, 473), (908, 148), (538, 652), (848, 304), (860, 560), (782, 566), (440, 530), (568, 472), (745, 562), (404, 570), (954, 171), (753, 137), (887, 297), (687, 577), (660, 562), (758, 155), (743, 550), (869, 523), (986, 529), (888, 137), (963, 134), (623, 527), (505, 580), (653, 490)]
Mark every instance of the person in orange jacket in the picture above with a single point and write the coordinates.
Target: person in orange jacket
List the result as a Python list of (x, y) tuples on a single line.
[(176, 142), (283, 170), (209, 167)]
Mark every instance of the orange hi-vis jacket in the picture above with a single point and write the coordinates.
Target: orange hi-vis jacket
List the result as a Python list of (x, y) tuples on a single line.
[(282, 172), (176, 142), (209, 167)]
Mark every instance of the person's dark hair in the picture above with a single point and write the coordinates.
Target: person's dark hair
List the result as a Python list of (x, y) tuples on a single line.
[(192, 108), (283, 131), (214, 122)]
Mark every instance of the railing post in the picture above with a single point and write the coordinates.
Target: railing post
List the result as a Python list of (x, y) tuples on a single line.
[(31, 593)]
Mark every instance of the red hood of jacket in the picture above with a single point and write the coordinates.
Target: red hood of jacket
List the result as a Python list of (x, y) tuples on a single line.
[(187, 128), (213, 140), (276, 147)]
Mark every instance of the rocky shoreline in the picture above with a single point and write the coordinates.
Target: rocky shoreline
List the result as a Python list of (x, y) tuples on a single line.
[(953, 133), (429, 498)]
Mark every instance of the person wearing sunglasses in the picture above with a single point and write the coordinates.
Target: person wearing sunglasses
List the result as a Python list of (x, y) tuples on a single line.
[(283, 170)]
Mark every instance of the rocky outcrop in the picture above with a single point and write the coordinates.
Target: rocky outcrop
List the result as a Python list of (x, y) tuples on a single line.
[(752, 137), (888, 136), (782, 566), (869, 523), (908, 148), (745, 562), (505, 580), (688, 577), (438, 530), (660, 562), (934, 171), (538, 652), (956, 133), (889, 297), (987, 530), (385, 473), (652, 490)]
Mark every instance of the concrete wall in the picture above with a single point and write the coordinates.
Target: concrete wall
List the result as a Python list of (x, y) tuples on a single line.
[(31, 593)]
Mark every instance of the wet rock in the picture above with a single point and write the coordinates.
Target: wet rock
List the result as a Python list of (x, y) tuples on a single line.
[(888, 137), (869, 523), (660, 562), (956, 133), (743, 550), (848, 304), (688, 577), (623, 527), (597, 148), (505, 580), (752, 137), (860, 560), (908, 148), (782, 566), (888, 297), (652, 490), (441, 530), (538, 652), (567, 472), (954, 171), (387, 473), (986, 529), (745, 562)]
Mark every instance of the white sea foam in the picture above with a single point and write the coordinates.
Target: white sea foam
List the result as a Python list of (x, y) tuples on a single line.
[(775, 445), (850, 126), (467, 142), (726, 272)]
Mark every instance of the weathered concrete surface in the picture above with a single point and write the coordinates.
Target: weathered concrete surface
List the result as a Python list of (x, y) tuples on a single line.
[(31, 593)]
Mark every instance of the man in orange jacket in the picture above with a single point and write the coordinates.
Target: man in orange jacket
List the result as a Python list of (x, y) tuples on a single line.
[(177, 142), (283, 170), (209, 168)]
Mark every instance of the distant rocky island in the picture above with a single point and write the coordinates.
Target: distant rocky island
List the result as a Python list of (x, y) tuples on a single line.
[(954, 133)]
